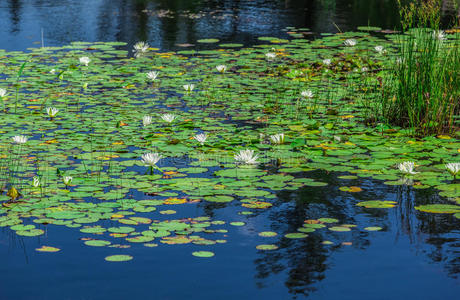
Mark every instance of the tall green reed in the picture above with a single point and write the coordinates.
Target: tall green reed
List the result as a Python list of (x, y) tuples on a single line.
[(422, 89)]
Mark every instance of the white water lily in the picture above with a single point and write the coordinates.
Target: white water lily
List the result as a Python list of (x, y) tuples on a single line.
[(270, 55), (327, 62), (168, 117), (20, 139), (439, 35), (246, 156), (364, 69), (151, 159), (36, 182), (2, 93), (140, 48), (146, 120), (85, 60), (67, 180), (201, 138), (221, 68), (307, 94), (52, 111), (52, 71), (189, 87), (277, 138), (379, 49), (407, 167), (152, 75), (453, 168), (350, 42)]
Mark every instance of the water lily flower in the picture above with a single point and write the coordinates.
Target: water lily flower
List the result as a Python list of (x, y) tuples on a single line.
[(277, 138), (201, 138), (364, 69), (146, 120), (307, 94), (189, 87), (327, 61), (246, 156), (221, 68), (152, 75), (168, 117), (407, 167), (350, 42), (52, 111), (36, 182), (2, 93), (67, 180), (379, 49), (439, 35), (453, 168), (140, 48), (52, 71), (84, 60), (20, 139), (151, 159), (270, 55)]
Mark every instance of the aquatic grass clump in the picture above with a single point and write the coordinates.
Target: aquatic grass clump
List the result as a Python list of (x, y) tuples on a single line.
[(421, 91)]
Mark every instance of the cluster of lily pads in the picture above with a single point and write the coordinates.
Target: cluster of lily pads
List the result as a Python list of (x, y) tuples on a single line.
[(234, 126)]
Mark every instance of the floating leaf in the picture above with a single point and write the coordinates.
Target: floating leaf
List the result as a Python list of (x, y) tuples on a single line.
[(267, 247), (439, 208), (377, 204), (268, 234), (119, 258), (48, 249), (203, 254), (339, 228)]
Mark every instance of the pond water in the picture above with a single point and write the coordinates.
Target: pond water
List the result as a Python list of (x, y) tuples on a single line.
[(324, 214), (165, 24)]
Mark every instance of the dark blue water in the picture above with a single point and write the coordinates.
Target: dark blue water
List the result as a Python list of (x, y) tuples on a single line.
[(165, 24), (415, 256)]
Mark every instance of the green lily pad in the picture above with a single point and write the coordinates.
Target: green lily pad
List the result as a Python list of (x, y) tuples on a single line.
[(203, 254), (266, 247), (118, 258)]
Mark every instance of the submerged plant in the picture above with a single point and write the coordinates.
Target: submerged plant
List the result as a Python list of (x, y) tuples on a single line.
[(246, 156), (407, 168)]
